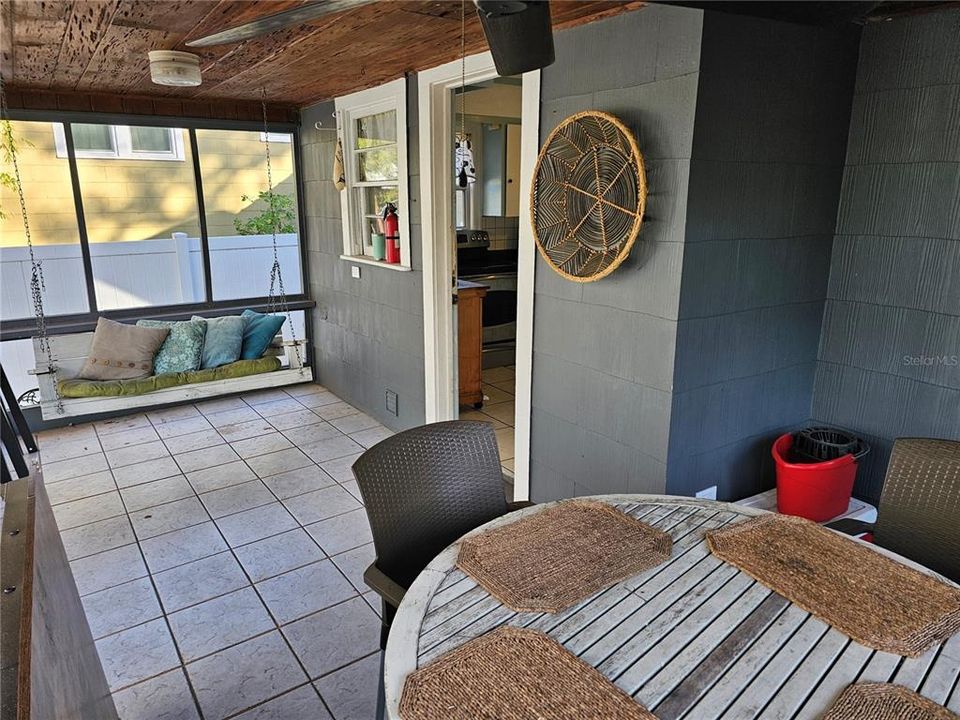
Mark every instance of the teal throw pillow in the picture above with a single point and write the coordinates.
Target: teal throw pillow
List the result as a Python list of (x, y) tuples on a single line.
[(259, 330), (223, 341), (182, 351)]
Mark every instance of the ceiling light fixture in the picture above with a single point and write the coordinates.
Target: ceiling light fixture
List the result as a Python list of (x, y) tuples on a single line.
[(170, 67)]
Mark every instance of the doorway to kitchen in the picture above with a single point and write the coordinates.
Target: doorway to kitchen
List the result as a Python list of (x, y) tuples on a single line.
[(478, 252)]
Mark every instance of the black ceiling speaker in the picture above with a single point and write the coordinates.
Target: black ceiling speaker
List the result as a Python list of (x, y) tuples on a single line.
[(519, 34)]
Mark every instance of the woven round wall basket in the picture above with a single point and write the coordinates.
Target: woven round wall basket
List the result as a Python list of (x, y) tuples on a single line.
[(589, 193)]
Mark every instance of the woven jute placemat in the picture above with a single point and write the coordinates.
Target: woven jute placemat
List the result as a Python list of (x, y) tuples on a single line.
[(883, 701), (874, 599), (514, 674), (551, 560)]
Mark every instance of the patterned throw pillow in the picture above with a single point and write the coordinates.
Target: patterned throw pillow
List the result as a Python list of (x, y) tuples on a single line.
[(182, 351), (122, 352), (223, 341)]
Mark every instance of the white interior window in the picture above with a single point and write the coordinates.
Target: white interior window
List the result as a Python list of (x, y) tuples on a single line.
[(372, 128), (121, 142)]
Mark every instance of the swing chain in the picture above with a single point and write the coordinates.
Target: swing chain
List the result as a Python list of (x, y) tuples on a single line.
[(277, 297), (37, 285)]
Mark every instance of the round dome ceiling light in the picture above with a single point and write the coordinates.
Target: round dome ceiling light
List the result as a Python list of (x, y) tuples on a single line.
[(170, 67)]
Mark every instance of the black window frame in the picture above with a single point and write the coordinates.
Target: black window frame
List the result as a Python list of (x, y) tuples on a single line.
[(22, 328)]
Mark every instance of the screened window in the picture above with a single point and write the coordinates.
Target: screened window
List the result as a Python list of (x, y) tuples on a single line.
[(48, 195), (147, 244), (241, 214)]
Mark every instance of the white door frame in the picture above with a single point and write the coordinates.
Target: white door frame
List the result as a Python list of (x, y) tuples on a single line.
[(439, 258)]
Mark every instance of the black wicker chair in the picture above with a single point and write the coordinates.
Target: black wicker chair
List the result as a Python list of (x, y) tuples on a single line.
[(423, 488), (919, 512)]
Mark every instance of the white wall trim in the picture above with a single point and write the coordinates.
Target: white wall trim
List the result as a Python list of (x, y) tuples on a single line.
[(439, 259), (526, 277)]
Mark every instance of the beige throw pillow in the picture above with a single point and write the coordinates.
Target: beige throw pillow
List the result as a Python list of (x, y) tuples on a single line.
[(122, 352)]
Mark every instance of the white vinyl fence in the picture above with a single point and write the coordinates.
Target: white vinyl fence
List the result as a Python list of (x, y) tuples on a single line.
[(140, 274), (146, 273)]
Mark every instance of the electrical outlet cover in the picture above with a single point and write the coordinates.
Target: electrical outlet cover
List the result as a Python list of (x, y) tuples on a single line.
[(391, 402), (355, 271)]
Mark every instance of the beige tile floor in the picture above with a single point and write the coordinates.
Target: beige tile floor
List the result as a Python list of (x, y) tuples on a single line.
[(219, 550), (498, 409)]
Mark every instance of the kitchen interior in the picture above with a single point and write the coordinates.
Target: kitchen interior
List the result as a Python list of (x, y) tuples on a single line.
[(487, 221)]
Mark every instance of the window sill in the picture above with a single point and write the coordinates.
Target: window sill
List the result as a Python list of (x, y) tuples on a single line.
[(364, 260)]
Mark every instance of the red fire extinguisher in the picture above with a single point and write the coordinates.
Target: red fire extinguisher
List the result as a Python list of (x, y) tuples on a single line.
[(391, 229)]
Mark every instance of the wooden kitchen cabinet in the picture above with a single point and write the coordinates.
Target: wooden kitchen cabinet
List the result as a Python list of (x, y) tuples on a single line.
[(470, 341)]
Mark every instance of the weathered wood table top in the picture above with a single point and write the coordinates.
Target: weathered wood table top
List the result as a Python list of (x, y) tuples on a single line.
[(692, 638)]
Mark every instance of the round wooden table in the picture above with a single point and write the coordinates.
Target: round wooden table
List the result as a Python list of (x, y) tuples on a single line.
[(692, 638)]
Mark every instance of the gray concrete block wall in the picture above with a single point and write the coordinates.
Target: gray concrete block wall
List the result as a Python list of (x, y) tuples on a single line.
[(888, 361), (367, 332), (604, 352), (772, 113)]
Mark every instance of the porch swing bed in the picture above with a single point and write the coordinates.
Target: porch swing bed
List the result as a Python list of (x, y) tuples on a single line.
[(63, 394)]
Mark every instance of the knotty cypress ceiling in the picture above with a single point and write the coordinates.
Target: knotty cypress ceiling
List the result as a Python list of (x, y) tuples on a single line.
[(100, 46)]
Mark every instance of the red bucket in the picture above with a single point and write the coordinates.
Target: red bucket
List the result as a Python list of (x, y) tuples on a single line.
[(816, 491)]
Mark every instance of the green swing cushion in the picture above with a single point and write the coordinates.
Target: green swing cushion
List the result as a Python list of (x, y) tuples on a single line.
[(79, 388)]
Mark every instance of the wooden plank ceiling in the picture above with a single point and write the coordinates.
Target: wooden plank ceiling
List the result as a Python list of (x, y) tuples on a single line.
[(100, 46)]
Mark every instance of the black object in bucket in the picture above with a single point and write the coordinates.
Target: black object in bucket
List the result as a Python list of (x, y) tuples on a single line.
[(821, 444)]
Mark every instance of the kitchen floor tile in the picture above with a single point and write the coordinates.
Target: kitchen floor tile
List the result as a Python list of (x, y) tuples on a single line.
[(354, 423), (353, 563), (260, 445), (106, 569), (371, 436), (352, 630), (297, 482), (313, 433), (193, 441), (244, 675), (321, 504), (188, 426), (219, 623), (165, 697), (55, 451), (296, 419), (301, 704), (340, 468), (171, 516), (80, 487), (278, 462), (121, 607), (127, 438), (251, 525), (305, 590), (233, 417), (334, 410), (206, 458), (91, 509), (75, 467), (278, 554), (145, 472), (343, 532), (200, 580), (182, 546), (119, 424), (247, 429), (168, 415), (236, 498), (137, 654), (221, 476), (331, 449), (136, 454), (157, 492), (96, 537), (351, 692)]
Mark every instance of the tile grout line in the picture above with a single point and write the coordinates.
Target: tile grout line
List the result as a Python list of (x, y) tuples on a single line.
[(166, 621)]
